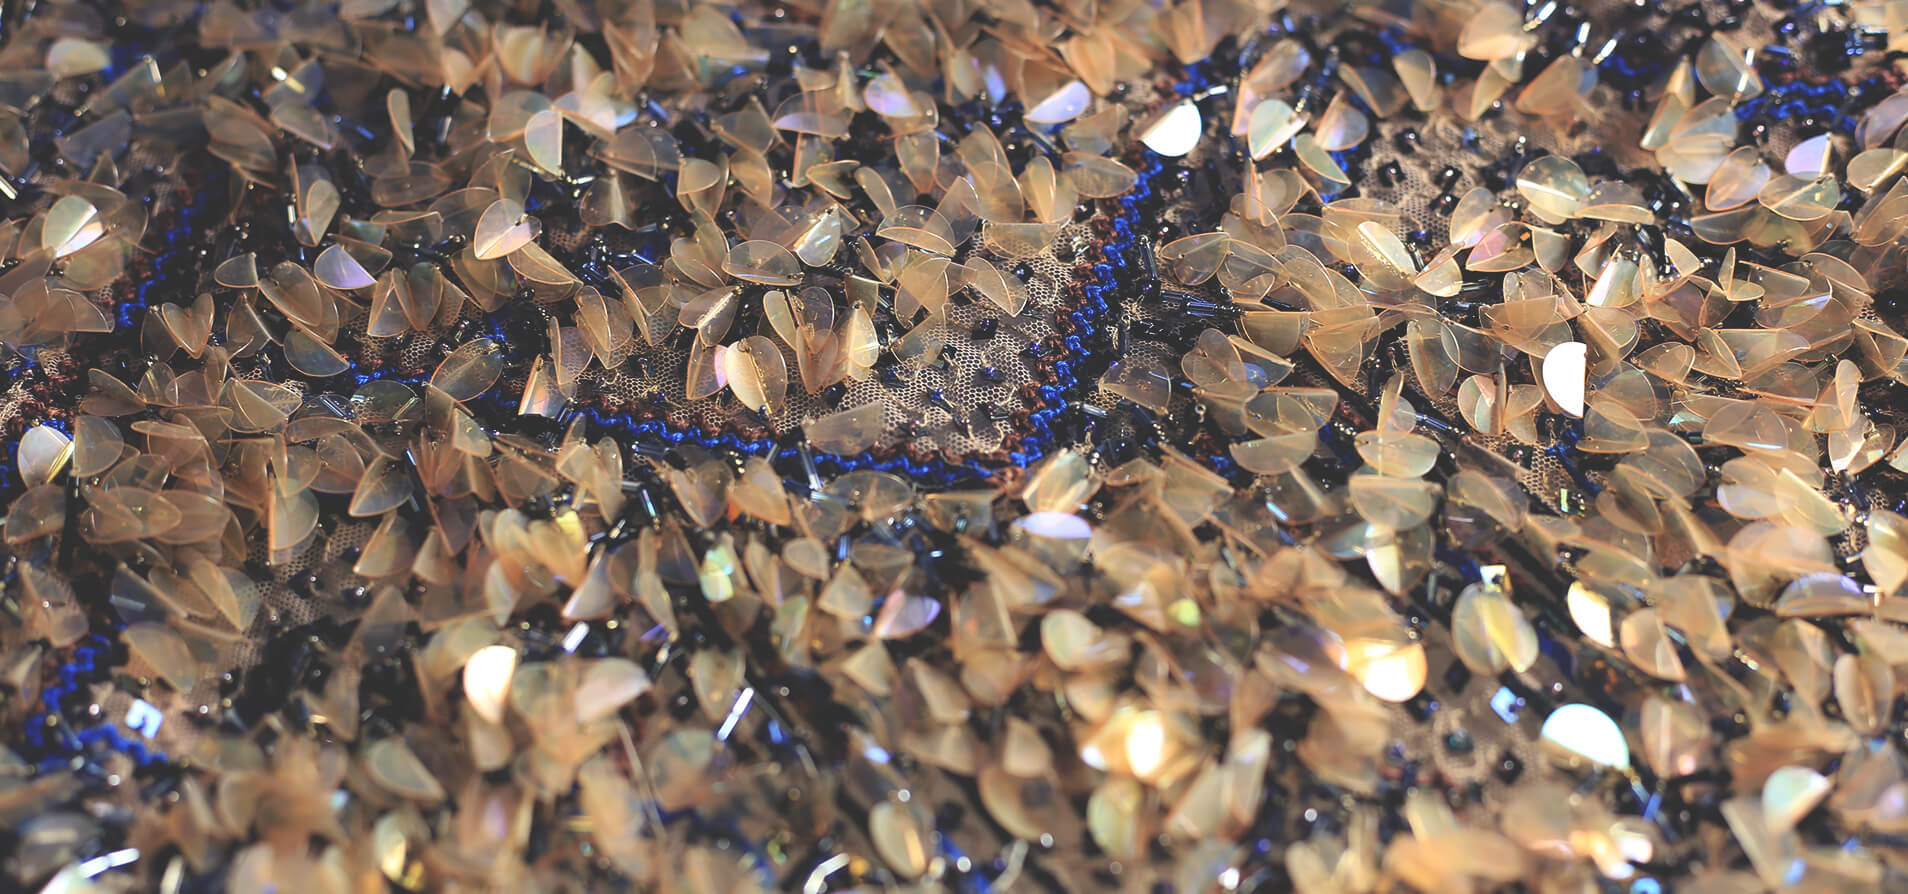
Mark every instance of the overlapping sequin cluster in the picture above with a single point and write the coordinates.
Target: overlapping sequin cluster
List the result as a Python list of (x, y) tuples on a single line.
[(954, 445)]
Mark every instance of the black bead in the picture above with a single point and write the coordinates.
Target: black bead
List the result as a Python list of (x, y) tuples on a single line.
[(1509, 768), (1457, 676)]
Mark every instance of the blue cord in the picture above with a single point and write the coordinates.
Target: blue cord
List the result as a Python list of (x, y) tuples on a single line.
[(1088, 318), (655, 432), (181, 238), (1824, 102), (66, 743), (1564, 449)]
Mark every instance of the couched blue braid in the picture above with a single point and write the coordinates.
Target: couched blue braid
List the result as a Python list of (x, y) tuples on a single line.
[(1827, 103), (1108, 277), (188, 230), (1564, 451), (47, 731)]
